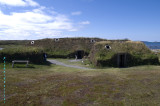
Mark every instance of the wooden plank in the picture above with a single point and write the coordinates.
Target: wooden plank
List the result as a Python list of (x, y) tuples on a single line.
[(20, 61)]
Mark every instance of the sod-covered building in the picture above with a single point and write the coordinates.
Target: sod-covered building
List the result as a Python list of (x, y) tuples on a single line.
[(101, 52), (66, 47), (121, 54)]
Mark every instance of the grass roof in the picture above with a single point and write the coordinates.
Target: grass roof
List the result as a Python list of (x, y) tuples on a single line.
[(135, 49), (66, 46)]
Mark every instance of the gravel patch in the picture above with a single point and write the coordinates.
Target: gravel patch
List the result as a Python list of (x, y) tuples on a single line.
[(66, 65)]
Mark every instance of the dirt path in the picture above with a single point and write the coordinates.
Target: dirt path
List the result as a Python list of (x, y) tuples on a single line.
[(66, 65)]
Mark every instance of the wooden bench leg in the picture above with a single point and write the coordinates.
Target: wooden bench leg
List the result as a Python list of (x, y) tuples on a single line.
[(12, 64), (27, 64)]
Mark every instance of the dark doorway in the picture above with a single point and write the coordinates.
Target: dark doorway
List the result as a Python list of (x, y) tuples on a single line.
[(80, 54), (122, 60)]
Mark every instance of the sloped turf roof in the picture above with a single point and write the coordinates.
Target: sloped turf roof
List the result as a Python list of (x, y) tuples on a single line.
[(135, 49)]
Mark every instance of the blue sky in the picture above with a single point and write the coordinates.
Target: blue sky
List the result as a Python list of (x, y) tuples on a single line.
[(109, 19)]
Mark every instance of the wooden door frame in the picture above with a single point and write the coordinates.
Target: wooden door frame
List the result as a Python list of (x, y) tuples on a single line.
[(118, 59)]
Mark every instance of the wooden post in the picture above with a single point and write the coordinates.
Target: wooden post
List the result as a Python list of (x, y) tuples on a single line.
[(125, 60)]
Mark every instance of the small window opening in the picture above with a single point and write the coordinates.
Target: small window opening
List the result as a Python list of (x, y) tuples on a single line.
[(56, 39), (92, 40), (32, 42), (108, 47)]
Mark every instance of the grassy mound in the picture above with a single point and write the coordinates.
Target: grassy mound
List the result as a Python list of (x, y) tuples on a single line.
[(65, 47), (136, 53), (13, 42), (33, 54)]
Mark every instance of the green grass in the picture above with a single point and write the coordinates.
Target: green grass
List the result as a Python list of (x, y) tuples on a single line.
[(42, 85)]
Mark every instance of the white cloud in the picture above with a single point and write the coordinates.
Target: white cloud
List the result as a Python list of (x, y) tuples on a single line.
[(40, 22), (76, 13), (31, 3), (33, 24), (85, 22), (19, 2)]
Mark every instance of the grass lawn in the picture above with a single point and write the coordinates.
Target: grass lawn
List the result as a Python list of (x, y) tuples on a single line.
[(62, 86)]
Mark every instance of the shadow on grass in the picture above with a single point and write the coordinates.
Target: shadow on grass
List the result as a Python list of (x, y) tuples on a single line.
[(23, 66), (47, 63)]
